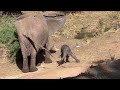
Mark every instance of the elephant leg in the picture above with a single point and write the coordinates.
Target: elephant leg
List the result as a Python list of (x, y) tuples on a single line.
[(33, 61), (25, 68), (62, 59), (67, 57), (74, 57), (47, 55)]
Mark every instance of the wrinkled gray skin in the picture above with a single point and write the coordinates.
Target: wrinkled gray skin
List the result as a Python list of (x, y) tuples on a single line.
[(33, 33), (65, 54)]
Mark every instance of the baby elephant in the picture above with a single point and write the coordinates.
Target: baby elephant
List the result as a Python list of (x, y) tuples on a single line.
[(66, 53)]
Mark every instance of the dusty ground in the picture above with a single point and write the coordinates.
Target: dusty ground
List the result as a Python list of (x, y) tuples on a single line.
[(98, 48)]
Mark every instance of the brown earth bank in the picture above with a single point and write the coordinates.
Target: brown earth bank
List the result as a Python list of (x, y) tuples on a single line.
[(109, 69), (88, 51)]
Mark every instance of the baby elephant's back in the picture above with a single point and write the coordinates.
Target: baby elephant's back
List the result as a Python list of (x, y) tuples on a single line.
[(65, 49)]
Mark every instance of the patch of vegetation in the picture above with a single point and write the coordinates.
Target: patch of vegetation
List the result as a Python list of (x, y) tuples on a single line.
[(8, 35)]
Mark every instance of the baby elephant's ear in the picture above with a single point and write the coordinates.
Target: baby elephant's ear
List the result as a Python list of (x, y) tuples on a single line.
[(55, 22)]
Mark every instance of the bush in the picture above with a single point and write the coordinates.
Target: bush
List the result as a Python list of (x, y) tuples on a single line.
[(8, 35)]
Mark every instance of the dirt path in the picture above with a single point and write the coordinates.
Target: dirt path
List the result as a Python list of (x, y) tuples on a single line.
[(99, 48), (45, 71)]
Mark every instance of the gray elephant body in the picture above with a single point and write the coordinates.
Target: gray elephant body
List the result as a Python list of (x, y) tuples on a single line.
[(33, 33), (65, 54)]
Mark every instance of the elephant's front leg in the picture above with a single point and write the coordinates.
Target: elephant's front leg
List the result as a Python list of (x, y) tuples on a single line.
[(47, 55), (33, 61)]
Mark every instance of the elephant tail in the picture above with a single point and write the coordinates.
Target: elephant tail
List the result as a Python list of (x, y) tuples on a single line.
[(33, 43)]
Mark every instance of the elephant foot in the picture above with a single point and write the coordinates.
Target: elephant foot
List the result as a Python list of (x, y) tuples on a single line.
[(48, 60), (67, 61), (60, 62), (33, 69), (25, 70)]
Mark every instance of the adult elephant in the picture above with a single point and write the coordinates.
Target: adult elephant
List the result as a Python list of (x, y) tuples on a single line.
[(33, 34)]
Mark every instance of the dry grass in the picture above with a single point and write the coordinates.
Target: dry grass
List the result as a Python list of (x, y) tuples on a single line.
[(91, 23), (4, 54)]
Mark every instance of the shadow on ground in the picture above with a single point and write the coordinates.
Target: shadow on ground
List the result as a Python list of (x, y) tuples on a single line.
[(109, 69)]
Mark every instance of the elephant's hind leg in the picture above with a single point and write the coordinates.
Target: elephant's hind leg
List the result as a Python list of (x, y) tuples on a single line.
[(74, 57), (25, 68), (24, 50), (33, 60), (47, 55)]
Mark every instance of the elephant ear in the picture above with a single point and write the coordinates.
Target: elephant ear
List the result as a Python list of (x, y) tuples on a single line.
[(55, 22)]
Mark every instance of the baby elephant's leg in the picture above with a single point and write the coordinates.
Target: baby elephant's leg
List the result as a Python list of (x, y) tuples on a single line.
[(67, 57), (62, 59), (73, 56)]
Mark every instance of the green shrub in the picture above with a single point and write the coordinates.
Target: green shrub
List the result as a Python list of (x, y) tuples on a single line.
[(8, 35)]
